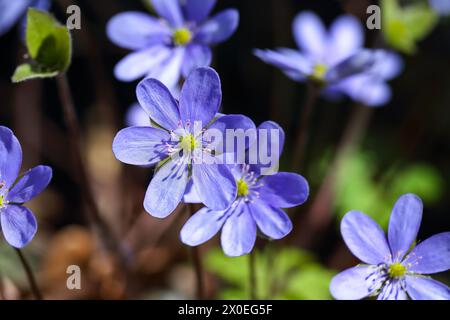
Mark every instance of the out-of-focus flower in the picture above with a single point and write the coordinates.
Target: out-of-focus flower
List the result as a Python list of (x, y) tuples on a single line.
[(257, 205), (18, 223), (176, 143), (13, 11), (136, 116), (175, 45), (394, 269), (442, 7), (331, 58)]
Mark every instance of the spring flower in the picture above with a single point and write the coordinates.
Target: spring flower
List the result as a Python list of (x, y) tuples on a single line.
[(172, 46), (332, 57), (257, 205), (18, 223), (442, 7), (394, 269), (13, 11), (136, 116), (174, 144)]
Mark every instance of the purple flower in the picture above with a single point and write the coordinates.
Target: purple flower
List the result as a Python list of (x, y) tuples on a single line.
[(442, 7), (174, 144), (257, 205), (393, 269), (172, 46), (335, 59), (12, 11), (18, 223), (136, 116)]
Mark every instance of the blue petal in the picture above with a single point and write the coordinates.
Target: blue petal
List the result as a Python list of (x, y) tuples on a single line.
[(166, 189), (310, 34), (351, 284), (201, 96), (392, 290), (141, 146), (168, 71), (346, 37), (169, 10), (214, 184), (387, 66), (365, 89), (196, 56), (442, 7), (239, 232), (219, 28), (137, 64), (404, 224), (136, 30), (284, 189), (357, 63), (30, 185), (364, 238), (18, 225), (10, 12), (158, 103), (199, 10), (431, 255), (272, 222), (422, 288), (190, 194), (202, 226), (10, 157), (136, 116)]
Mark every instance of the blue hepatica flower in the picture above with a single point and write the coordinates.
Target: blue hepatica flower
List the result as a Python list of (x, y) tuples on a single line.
[(174, 45), (11, 11), (257, 205), (442, 7), (333, 57), (395, 269), (175, 145), (18, 223)]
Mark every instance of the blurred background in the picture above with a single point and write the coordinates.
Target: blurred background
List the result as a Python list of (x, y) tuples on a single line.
[(402, 147)]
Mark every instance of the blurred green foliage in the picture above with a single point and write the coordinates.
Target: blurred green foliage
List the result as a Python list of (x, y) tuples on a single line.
[(404, 26), (359, 188), (284, 273), (49, 45)]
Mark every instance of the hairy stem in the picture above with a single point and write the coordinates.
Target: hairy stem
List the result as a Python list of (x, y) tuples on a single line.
[(31, 279), (198, 266)]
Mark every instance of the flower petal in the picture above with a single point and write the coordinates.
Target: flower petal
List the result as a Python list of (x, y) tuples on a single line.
[(169, 10), (239, 232), (284, 189), (214, 184), (219, 28), (18, 225), (364, 238), (10, 12), (422, 288), (430, 256), (388, 65), (351, 284), (136, 116), (393, 290), (137, 64), (199, 10), (291, 62), (367, 90), (357, 63), (169, 70), (201, 96), (196, 56), (346, 36), (273, 222), (190, 194), (141, 146), (158, 103), (202, 226), (310, 34), (404, 224), (10, 157), (30, 185), (136, 30), (166, 189)]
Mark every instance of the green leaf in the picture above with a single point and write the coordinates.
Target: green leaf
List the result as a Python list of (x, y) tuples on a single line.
[(403, 27), (48, 41), (27, 71), (310, 283)]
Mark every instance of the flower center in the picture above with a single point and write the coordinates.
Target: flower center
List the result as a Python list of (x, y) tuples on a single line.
[(2, 201), (319, 72), (188, 143), (397, 270), (182, 36), (242, 188)]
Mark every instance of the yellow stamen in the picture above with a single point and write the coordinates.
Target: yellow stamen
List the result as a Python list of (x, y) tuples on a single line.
[(2, 201), (242, 188), (182, 36), (319, 72), (397, 270), (188, 143)]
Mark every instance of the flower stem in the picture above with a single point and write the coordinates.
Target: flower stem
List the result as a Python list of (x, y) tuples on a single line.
[(71, 121), (303, 129), (252, 275), (198, 266), (31, 279)]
